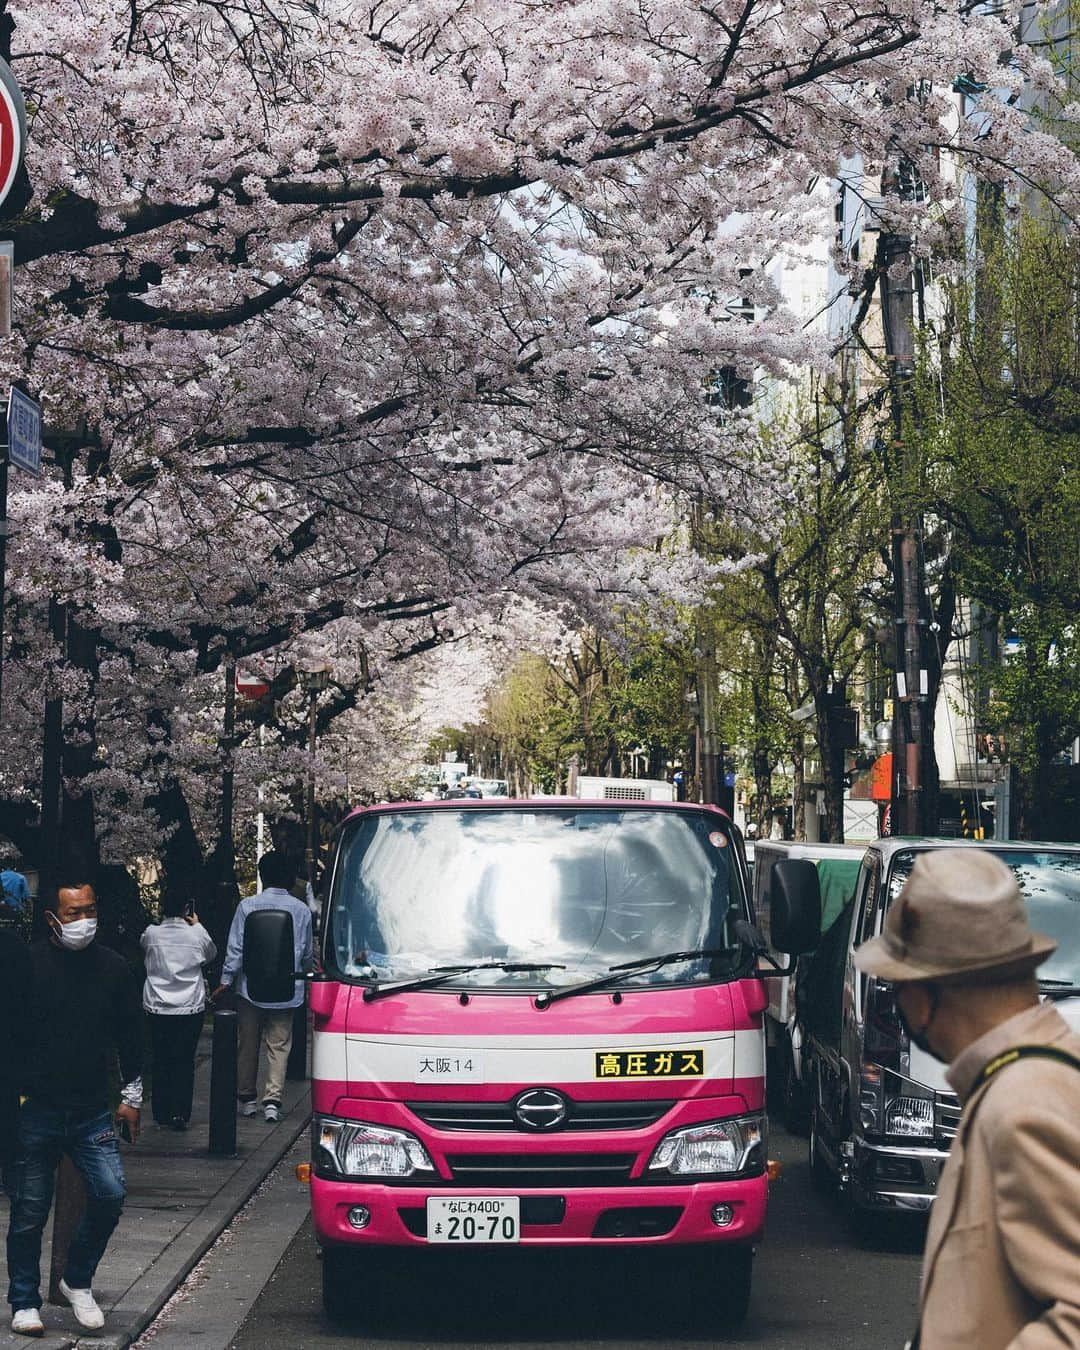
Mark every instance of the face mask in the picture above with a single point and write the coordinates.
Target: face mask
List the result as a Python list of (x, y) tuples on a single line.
[(918, 1037), (76, 935)]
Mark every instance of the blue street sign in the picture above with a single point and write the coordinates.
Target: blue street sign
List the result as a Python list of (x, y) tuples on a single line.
[(24, 431), (729, 779)]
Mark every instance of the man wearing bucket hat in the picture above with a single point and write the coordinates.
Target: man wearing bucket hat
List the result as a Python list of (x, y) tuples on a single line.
[(1001, 1269)]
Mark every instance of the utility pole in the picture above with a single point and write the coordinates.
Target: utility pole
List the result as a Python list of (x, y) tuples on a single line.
[(911, 714), (710, 770)]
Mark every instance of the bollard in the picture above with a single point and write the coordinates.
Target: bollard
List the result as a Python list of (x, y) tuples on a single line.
[(223, 1084), (296, 1069)]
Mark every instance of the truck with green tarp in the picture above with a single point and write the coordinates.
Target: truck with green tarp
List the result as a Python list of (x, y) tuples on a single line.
[(838, 868)]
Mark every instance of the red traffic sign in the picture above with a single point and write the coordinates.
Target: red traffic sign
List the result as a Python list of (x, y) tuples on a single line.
[(12, 129), (251, 686)]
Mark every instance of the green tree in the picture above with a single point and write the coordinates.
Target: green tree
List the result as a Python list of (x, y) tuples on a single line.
[(1000, 415), (812, 586)]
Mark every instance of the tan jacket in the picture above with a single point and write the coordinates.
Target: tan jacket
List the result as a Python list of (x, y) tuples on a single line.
[(1002, 1263)]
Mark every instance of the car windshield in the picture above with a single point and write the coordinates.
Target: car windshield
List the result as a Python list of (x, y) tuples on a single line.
[(576, 889), (1050, 882)]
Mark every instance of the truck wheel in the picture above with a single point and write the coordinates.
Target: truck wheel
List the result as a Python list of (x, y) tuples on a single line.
[(339, 1270), (733, 1284)]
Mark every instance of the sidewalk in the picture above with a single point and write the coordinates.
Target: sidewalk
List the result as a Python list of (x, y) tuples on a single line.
[(179, 1201)]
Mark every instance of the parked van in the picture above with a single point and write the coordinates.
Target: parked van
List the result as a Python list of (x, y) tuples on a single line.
[(838, 868), (540, 1022), (882, 1114)]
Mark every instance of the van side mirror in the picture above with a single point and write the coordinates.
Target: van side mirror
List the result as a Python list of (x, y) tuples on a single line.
[(269, 956), (794, 905)]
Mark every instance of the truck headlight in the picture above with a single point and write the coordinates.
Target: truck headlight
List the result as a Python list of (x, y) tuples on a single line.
[(353, 1148), (717, 1148), (909, 1117), (894, 1107)]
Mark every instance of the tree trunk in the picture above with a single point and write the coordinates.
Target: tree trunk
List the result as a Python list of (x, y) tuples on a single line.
[(763, 796), (183, 865), (80, 752), (832, 769), (1037, 800)]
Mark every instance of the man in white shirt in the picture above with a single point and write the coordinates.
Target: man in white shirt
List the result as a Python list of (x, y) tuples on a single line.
[(174, 997), (266, 1024)]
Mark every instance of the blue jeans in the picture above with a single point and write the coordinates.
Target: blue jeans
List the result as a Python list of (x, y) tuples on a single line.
[(44, 1134)]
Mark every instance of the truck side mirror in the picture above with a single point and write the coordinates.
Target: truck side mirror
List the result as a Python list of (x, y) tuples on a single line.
[(269, 956), (794, 905)]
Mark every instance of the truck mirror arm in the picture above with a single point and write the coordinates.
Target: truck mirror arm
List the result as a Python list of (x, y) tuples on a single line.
[(749, 934)]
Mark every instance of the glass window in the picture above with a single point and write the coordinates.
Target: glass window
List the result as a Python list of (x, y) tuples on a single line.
[(582, 888), (1050, 882)]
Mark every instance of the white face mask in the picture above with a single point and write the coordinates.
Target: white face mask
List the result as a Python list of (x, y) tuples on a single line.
[(77, 934)]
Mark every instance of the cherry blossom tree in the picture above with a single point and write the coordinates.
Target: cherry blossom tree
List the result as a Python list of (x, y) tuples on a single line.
[(364, 319)]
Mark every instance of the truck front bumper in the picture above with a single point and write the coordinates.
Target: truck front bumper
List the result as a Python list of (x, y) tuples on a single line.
[(892, 1178), (600, 1216)]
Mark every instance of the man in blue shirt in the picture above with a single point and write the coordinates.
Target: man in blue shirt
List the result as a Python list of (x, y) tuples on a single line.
[(266, 1024)]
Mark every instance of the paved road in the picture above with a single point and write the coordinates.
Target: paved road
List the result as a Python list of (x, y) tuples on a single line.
[(816, 1287)]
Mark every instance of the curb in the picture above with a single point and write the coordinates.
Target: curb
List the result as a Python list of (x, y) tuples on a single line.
[(145, 1298)]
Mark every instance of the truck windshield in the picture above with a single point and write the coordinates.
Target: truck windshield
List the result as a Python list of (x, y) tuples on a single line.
[(576, 890), (1050, 882)]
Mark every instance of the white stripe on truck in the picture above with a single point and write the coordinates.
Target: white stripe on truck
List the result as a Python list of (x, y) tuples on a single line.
[(344, 1057)]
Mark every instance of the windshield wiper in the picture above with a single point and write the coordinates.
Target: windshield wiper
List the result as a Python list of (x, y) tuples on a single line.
[(615, 974), (444, 974), (1059, 988)]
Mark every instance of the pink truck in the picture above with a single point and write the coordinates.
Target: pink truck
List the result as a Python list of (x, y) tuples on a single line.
[(541, 1023)]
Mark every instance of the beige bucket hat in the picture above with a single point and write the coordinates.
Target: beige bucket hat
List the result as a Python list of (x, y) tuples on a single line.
[(960, 919)]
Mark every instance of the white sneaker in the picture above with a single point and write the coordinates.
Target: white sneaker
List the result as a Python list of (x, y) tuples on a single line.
[(87, 1313), (272, 1112), (27, 1322), (248, 1108)]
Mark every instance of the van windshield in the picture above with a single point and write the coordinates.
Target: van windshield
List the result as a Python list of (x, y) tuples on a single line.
[(575, 889), (1050, 882)]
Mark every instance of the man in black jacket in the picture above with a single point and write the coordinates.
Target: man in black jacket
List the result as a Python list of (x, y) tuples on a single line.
[(83, 1007)]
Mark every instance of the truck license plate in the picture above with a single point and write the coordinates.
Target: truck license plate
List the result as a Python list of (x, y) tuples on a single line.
[(468, 1219)]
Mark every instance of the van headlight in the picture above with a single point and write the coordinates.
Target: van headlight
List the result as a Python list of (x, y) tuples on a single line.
[(716, 1148), (353, 1148)]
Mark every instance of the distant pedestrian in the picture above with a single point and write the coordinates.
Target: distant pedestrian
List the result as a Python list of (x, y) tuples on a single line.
[(1002, 1262), (82, 1007), (174, 997), (14, 895), (268, 1025)]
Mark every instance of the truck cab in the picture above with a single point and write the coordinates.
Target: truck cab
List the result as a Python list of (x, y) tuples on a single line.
[(882, 1116), (540, 1023)]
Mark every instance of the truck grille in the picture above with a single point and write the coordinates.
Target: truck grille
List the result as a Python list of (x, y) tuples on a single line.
[(541, 1170), (499, 1116), (946, 1116)]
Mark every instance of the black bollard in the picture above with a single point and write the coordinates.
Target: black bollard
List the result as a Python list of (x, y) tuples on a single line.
[(223, 1084), (296, 1069)]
